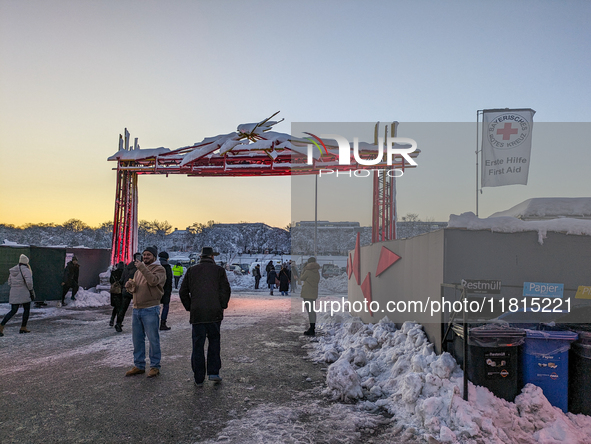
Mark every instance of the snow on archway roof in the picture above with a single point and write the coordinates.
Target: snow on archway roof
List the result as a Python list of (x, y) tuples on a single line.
[(541, 208), (248, 140)]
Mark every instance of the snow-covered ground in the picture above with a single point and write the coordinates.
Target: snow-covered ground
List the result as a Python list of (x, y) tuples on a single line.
[(332, 286), (381, 381), (84, 298), (382, 368)]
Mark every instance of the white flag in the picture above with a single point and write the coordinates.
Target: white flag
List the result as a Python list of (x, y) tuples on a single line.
[(506, 146)]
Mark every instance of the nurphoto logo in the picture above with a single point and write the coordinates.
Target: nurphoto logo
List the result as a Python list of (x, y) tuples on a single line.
[(345, 153)]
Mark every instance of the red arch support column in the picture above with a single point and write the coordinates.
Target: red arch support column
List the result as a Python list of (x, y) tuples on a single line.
[(125, 223)]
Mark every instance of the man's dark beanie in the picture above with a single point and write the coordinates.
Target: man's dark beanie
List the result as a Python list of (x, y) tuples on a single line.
[(311, 259), (152, 250), (163, 255)]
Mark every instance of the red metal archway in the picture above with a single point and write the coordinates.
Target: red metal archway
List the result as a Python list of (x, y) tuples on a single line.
[(252, 150)]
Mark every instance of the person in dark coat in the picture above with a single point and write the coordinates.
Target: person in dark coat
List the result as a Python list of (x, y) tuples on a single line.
[(267, 269), (116, 298), (126, 296), (271, 276), (310, 278), (284, 279), (293, 272), (165, 301), (70, 281), (205, 292), (20, 279), (256, 272)]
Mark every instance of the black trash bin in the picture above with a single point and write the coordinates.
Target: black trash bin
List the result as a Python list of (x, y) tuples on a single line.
[(494, 359), (579, 377)]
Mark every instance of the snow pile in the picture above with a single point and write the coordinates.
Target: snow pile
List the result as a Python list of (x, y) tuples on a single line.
[(13, 244), (508, 224), (397, 371), (88, 298), (240, 282), (337, 284)]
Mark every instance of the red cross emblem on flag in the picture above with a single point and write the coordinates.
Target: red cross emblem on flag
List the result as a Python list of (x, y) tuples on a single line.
[(507, 131)]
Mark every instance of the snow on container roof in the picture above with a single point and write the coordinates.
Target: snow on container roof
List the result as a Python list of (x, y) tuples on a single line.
[(509, 224), (543, 208)]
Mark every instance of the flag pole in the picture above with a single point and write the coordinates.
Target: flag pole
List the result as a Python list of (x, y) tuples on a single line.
[(477, 151)]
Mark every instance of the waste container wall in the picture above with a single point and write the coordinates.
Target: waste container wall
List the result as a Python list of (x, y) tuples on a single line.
[(494, 359), (579, 378), (545, 363)]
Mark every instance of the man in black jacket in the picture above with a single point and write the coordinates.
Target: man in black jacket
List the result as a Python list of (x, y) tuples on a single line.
[(205, 292), (165, 301), (70, 281)]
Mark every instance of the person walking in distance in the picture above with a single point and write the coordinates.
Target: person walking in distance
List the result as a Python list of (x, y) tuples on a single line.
[(126, 296), (271, 278), (177, 272), (70, 281), (284, 279), (163, 256), (116, 298), (268, 269), (205, 293), (147, 288), (20, 279), (293, 271), (310, 278), (256, 272)]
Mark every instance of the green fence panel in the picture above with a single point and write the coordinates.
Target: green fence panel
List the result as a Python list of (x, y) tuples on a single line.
[(9, 258), (48, 263), (48, 269)]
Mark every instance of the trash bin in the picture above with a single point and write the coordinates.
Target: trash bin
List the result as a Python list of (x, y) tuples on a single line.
[(579, 378), (545, 363), (494, 359), (584, 337)]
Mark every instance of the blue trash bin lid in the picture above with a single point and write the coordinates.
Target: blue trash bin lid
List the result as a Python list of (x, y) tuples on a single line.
[(564, 335)]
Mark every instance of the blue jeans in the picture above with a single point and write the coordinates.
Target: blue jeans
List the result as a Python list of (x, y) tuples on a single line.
[(211, 331), (146, 322), (164, 315)]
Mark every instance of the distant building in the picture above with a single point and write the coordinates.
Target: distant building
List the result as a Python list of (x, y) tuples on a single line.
[(405, 230), (325, 224), (337, 238), (179, 240)]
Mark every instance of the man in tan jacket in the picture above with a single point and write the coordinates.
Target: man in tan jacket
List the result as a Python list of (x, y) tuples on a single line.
[(147, 288)]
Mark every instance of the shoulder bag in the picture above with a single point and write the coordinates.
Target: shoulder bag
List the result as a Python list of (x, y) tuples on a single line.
[(31, 291)]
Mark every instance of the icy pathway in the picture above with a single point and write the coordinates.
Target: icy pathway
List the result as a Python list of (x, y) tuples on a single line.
[(64, 382)]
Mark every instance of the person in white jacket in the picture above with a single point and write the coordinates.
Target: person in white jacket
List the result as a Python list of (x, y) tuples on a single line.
[(20, 280)]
